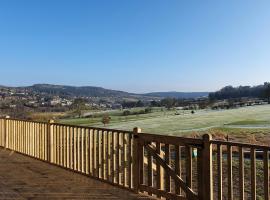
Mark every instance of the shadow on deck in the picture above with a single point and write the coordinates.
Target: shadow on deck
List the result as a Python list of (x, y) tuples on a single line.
[(22, 177)]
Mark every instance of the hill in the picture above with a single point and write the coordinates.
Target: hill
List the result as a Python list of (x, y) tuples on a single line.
[(91, 91), (84, 91)]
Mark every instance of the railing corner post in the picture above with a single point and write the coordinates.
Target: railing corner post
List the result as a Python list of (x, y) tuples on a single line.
[(136, 159), (49, 141), (6, 131), (207, 173)]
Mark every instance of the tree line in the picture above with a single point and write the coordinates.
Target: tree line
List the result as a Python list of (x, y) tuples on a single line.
[(230, 92)]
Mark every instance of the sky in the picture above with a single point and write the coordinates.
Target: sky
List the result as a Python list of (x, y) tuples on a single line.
[(135, 45)]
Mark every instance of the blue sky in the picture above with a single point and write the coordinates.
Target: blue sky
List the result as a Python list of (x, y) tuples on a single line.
[(135, 45)]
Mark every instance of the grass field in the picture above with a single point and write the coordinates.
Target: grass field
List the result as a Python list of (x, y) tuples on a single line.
[(255, 119)]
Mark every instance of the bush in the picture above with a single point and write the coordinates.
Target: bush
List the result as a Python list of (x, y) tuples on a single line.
[(148, 110), (126, 113)]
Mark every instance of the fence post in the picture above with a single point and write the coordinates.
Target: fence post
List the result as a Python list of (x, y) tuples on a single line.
[(207, 173), (5, 131), (49, 137), (136, 159)]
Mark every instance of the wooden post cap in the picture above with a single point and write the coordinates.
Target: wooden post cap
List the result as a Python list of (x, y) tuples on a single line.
[(207, 137), (51, 121), (7, 117), (137, 130)]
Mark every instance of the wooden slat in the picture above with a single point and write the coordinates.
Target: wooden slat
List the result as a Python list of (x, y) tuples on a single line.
[(89, 151), (112, 157), (93, 153), (71, 148), (177, 167), (129, 160), (189, 166), (230, 174), (253, 173), (149, 171), (75, 148), (87, 169), (83, 150), (97, 153), (200, 182), (68, 147), (61, 160), (167, 161), (158, 169), (219, 165), (79, 149), (107, 156), (102, 154), (117, 158), (266, 174), (124, 158), (241, 175)]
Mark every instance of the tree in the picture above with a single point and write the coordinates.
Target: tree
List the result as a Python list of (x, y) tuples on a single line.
[(79, 105), (267, 92), (155, 104), (126, 113), (106, 119), (139, 104), (169, 103)]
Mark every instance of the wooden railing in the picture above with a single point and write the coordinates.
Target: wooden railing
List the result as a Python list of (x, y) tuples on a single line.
[(161, 166), (241, 171)]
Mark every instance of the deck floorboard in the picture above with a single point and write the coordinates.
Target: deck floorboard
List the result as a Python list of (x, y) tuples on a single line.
[(22, 177)]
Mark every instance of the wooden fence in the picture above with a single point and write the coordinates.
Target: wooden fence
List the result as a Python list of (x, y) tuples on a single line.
[(166, 167)]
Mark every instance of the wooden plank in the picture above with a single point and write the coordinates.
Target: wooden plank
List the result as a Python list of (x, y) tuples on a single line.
[(149, 171), (61, 161), (102, 155), (97, 153), (167, 175), (112, 157), (266, 174), (107, 155), (200, 182), (189, 166), (124, 158), (177, 167), (79, 148), (75, 137), (129, 161), (237, 144), (71, 148), (241, 174), (83, 150), (93, 153), (68, 147), (230, 174), (89, 151), (253, 173), (158, 170), (173, 140), (219, 165), (117, 172), (87, 169)]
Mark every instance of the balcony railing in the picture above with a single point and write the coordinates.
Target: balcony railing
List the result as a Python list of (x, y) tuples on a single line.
[(161, 166)]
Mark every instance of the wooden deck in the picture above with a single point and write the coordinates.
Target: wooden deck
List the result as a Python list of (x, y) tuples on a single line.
[(22, 177)]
